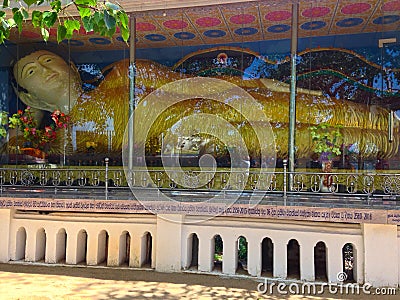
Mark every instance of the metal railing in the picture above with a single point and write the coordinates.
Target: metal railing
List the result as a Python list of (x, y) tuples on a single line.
[(111, 182)]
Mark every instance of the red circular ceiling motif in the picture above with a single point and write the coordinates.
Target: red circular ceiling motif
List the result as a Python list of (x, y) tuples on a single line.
[(208, 22), (175, 24), (144, 26), (391, 6), (30, 34), (316, 12), (279, 15), (356, 8), (242, 19)]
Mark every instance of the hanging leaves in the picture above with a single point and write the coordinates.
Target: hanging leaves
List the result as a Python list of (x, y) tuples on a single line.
[(101, 17)]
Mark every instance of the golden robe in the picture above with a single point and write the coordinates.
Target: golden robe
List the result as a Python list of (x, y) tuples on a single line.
[(366, 126)]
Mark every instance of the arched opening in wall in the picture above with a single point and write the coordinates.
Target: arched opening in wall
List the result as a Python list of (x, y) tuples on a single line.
[(320, 262), (146, 251), (102, 248), (348, 262), (124, 249), (193, 252), (81, 248), (40, 251), (293, 259), (267, 258), (241, 255), (61, 246), (218, 246), (20, 244)]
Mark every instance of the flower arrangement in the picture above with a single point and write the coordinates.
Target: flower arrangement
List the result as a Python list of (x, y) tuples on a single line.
[(24, 120), (327, 140)]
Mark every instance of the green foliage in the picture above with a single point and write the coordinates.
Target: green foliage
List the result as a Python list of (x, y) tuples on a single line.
[(219, 248), (102, 17), (242, 251), (3, 123), (327, 139)]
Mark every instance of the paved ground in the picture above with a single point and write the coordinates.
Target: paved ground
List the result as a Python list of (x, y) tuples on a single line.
[(34, 282)]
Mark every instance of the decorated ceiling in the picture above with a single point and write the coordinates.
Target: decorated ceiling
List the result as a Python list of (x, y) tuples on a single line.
[(241, 22)]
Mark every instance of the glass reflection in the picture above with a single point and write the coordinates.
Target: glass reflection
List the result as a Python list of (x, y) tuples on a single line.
[(356, 88)]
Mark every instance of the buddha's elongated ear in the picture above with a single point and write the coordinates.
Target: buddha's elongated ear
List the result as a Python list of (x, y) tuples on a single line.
[(75, 70), (34, 102), (73, 67)]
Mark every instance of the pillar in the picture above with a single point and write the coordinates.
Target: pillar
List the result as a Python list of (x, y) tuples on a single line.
[(280, 259), (307, 261), (206, 253), (169, 236), (5, 222), (230, 256), (254, 257), (335, 261)]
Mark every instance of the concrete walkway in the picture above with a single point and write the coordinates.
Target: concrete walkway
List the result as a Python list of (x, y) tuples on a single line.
[(39, 281)]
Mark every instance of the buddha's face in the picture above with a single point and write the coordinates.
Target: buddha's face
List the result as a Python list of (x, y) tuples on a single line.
[(46, 76)]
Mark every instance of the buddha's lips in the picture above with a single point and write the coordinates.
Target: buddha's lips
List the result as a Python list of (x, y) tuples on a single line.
[(51, 77)]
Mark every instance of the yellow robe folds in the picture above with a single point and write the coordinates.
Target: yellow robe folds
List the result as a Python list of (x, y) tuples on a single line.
[(104, 112)]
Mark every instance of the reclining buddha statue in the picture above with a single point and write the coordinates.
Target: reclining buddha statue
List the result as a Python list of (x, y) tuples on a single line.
[(99, 117)]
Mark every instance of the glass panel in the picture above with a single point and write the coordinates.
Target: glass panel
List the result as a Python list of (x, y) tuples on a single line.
[(215, 80)]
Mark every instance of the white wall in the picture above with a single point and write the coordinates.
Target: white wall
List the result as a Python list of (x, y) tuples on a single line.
[(172, 249), (381, 251)]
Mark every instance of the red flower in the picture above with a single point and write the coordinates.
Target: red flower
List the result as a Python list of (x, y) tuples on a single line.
[(25, 121)]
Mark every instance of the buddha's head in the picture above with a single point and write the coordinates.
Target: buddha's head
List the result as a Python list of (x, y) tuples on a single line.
[(49, 83)]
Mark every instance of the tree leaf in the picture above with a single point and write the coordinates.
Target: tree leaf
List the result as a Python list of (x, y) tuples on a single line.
[(61, 33), (25, 13), (49, 18), (6, 3), (56, 5), (98, 17), (82, 2), (71, 26), (18, 20), (112, 6), (111, 32), (88, 23), (84, 12), (123, 19), (5, 24), (45, 33), (125, 34), (29, 2), (109, 20), (11, 22), (37, 18)]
